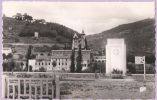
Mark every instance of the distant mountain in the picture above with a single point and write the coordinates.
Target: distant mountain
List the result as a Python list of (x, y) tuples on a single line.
[(139, 37), (21, 31)]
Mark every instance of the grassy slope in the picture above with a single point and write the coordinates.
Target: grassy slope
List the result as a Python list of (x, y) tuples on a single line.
[(19, 26), (139, 37)]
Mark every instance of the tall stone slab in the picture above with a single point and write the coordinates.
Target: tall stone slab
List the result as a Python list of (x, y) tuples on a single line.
[(115, 55)]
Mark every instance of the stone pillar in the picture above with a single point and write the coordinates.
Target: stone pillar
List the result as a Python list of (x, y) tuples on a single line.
[(115, 55)]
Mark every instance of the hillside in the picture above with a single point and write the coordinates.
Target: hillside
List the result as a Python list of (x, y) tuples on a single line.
[(139, 37), (20, 31)]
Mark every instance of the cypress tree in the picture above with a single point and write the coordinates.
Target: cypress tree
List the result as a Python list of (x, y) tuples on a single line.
[(28, 55), (79, 60), (86, 46), (72, 67)]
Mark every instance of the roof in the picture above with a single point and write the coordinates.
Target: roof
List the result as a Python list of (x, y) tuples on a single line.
[(75, 36)]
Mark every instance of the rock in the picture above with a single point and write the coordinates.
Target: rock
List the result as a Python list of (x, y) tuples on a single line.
[(143, 89)]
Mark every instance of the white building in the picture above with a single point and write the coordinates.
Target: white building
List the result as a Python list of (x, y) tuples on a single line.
[(36, 34), (101, 59), (7, 50), (62, 58), (37, 64)]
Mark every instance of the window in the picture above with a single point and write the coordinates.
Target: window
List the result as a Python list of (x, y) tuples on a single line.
[(45, 63), (39, 63), (62, 63), (65, 63), (49, 63), (42, 63), (35, 63), (49, 54)]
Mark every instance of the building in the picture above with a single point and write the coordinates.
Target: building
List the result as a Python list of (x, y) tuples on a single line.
[(101, 59), (7, 50), (62, 58), (79, 40), (36, 34), (63, 61), (42, 59)]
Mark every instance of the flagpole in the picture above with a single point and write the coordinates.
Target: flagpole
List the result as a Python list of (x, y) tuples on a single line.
[(144, 68)]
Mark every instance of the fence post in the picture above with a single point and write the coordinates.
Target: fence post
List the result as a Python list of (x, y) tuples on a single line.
[(4, 86), (19, 89), (57, 87)]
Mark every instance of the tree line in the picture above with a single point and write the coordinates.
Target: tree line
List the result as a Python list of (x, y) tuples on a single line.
[(53, 30)]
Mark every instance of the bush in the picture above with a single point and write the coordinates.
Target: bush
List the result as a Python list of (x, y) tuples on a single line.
[(55, 47), (58, 39), (131, 68), (117, 74), (116, 71)]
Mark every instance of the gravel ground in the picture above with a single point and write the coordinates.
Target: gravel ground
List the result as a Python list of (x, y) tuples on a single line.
[(106, 89)]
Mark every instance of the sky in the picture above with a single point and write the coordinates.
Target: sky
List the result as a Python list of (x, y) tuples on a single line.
[(93, 17)]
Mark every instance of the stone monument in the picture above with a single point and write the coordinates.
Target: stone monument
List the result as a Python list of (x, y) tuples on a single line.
[(115, 55)]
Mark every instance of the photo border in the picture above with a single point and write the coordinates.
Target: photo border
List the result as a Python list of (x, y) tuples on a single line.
[(1, 29)]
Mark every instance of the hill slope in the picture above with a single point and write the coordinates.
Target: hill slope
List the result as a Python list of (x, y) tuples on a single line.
[(139, 37), (23, 32)]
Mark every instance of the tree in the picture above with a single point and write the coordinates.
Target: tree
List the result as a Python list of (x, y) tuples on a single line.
[(18, 16), (41, 21), (55, 47), (28, 55), (5, 66), (131, 68), (17, 67), (95, 67), (30, 68), (4, 56), (30, 18), (27, 18), (21, 65), (9, 56), (72, 66), (12, 64), (86, 46), (79, 60)]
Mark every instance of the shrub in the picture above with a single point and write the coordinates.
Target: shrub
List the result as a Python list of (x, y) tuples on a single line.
[(58, 39), (116, 71), (117, 74)]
